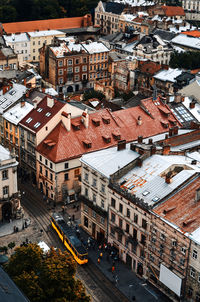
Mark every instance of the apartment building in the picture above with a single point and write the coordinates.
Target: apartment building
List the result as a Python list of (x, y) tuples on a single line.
[(36, 125), (38, 38), (8, 184), (11, 119), (20, 43), (8, 58), (107, 16)]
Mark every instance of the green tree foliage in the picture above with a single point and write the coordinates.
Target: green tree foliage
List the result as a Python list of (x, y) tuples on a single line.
[(26, 10), (186, 60), (11, 245), (46, 278), (90, 94)]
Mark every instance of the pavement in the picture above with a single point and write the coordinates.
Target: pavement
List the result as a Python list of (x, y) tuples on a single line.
[(123, 278)]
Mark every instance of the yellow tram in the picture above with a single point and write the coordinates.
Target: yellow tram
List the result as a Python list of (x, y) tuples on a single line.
[(69, 238)]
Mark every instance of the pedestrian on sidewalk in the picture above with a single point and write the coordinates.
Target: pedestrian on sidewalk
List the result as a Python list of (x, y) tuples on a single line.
[(113, 269), (101, 255), (98, 260)]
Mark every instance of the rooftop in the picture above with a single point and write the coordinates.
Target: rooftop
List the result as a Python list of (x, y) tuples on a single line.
[(4, 154), (11, 97), (62, 23), (168, 75), (190, 42), (16, 38), (44, 33), (183, 209), (18, 112), (95, 47), (173, 10), (102, 134)]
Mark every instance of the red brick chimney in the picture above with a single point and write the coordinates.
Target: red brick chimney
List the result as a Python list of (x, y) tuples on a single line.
[(121, 145), (166, 149)]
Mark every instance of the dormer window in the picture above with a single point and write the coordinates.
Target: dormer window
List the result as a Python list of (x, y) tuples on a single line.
[(106, 120), (76, 125), (39, 109), (96, 122), (106, 138), (87, 144), (37, 125), (29, 120)]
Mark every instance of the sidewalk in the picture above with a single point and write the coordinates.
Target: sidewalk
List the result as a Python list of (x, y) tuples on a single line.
[(123, 278)]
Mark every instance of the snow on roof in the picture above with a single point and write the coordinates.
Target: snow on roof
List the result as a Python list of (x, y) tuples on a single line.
[(11, 97), (59, 50), (136, 2), (129, 47), (95, 47), (44, 33), (18, 112), (4, 154), (128, 17), (178, 49), (75, 47), (195, 111), (147, 183), (112, 161), (22, 37), (51, 91), (185, 40), (168, 75), (94, 103)]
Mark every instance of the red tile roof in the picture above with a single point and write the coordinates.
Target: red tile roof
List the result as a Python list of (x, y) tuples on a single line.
[(185, 212), (193, 33), (101, 136), (149, 67), (42, 114), (173, 10), (63, 23)]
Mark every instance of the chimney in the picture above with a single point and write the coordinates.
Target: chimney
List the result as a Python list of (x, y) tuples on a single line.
[(153, 149), (192, 104), (197, 195), (139, 120), (176, 130), (166, 149), (50, 102), (171, 131), (85, 118), (177, 98), (150, 141), (166, 136), (22, 103), (139, 162), (168, 178), (66, 119), (121, 145), (140, 139), (35, 104)]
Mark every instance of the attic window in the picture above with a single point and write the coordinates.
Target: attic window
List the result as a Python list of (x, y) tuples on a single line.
[(29, 120), (37, 125), (145, 193), (106, 138), (96, 122), (87, 144), (106, 120), (156, 198), (39, 109), (116, 135), (48, 114), (76, 126), (12, 92), (165, 124)]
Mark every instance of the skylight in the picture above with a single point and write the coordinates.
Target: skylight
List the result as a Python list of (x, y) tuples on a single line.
[(145, 193), (12, 92), (37, 125), (29, 120), (39, 109), (48, 114), (156, 198)]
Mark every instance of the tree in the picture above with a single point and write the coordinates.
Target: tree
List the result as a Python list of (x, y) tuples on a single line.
[(186, 60), (90, 94), (44, 278), (11, 245)]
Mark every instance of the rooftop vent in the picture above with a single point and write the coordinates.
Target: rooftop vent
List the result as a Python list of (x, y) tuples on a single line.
[(76, 125), (167, 210), (116, 135), (106, 119), (87, 144), (106, 138), (96, 121)]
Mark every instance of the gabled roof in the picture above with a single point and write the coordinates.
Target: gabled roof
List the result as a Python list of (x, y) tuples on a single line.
[(62, 23), (40, 116), (173, 10), (69, 144)]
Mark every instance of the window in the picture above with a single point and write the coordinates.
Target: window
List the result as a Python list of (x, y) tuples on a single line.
[(60, 63), (66, 176), (94, 197), (174, 242), (182, 261), (41, 158), (135, 234), (51, 176), (16, 141), (66, 165), (33, 49), (86, 191), (183, 250), (46, 173), (4, 174), (112, 217), (76, 69), (94, 183), (197, 298), (119, 237), (162, 236), (135, 218), (120, 208), (194, 254), (5, 190), (86, 177), (77, 77), (46, 162), (85, 221), (151, 258), (60, 71), (120, 222), (84, 68), (51, 166), (190, 292), (102, 220), (102, 188), (112, 231), (40, 169), (77, 61), (113, 202), (153, 240), (143, 239), (60, 80), (69, 62), (128, 214), (144, 224), (192, 272), (102, 203), (127, 227), (94, 214), (33, 42)]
